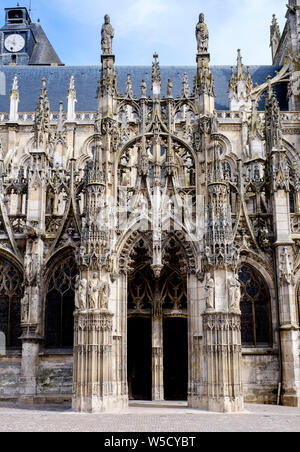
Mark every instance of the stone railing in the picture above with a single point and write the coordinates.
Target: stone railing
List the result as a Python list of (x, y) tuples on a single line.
[(28, 118), (89, 117)]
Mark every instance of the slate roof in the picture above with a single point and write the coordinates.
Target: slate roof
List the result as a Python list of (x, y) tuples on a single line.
[(86, 78)]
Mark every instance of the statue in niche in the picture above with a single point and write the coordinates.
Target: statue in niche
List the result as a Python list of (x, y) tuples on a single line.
[(234, 292), (107, 35), (104, 295), (210, 288), (35, 303), (81, 292), (94, 287), (25, 306), (202, 35)]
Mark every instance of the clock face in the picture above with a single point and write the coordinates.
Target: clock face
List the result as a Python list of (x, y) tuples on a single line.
[(14, 43)]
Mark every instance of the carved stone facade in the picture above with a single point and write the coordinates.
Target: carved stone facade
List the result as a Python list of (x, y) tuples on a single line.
[(149, 249)]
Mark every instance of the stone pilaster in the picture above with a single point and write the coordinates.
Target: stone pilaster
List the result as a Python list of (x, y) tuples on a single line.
[(223, 362), (93, 379)]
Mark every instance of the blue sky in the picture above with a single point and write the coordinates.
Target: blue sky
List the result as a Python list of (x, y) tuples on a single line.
[(164, 26)]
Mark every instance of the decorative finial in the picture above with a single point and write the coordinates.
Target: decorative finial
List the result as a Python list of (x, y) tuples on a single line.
[(240, 71), (202, 35), (107, 35), (156, 78)]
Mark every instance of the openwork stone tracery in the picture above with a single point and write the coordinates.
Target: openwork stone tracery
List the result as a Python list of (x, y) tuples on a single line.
[(152, 210)]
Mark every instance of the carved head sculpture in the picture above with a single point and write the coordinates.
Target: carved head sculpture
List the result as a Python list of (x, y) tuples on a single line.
[(201, 18), (107, 19)]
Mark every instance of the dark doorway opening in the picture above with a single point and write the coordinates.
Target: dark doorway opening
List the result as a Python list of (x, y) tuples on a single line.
[(175, 359), (139, 359)]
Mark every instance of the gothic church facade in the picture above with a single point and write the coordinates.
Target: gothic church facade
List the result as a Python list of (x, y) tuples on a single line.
[(149, 226)]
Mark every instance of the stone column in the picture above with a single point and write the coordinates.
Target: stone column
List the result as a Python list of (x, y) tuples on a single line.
[(223, 356), (157, 347), (30, 362), (92, 390), (196, 307)]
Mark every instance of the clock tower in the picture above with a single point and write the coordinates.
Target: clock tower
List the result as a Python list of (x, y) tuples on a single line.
[(23, 42)]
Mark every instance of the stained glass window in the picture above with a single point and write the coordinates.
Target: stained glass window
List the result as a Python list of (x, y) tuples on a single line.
[(255, 307)]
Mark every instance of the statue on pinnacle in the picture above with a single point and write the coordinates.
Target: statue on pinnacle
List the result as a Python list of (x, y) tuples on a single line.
[(202, 35), (107, 35)]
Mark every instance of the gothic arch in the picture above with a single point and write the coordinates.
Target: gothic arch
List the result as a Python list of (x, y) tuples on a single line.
[(138, 138), (59, 290), (11, 292), (259, 287), (226, 143), (84, 154), (128, 241), (292, 153)]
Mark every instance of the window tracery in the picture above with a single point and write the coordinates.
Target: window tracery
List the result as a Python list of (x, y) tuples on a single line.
[(255, 307), (10, 304), (60, 305)]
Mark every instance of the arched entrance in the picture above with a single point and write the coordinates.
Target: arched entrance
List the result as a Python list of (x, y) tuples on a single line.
[(157, 346)]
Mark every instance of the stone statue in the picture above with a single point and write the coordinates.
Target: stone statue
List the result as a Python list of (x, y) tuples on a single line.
[(210, 288), (104, 295), (81, 292), (94, 287), (25, 307), (34, 303), (186, 92), (202, 35), (107, 35), (234, 292), (143, 89), (170, 88)]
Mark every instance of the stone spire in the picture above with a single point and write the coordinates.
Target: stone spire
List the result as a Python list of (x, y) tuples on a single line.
[(273, 129), (240, 87), (72, 99), (108, 83), (14, 100), (42, 118), (220, 234), (274, 36)]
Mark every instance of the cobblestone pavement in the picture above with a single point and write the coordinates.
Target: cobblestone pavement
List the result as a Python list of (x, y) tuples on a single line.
[(149, 417)]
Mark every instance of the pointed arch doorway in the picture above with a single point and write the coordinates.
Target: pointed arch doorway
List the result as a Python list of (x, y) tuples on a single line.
[(157, 336)]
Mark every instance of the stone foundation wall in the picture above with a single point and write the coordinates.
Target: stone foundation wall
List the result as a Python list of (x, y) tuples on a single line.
[(261, 376), (10, 372), (55, 375)]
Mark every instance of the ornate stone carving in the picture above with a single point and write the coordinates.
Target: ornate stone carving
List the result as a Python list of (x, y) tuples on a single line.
[(234, 294), (107, 35), (202, 35), (210, 288), (286, 268), (81, 294)]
